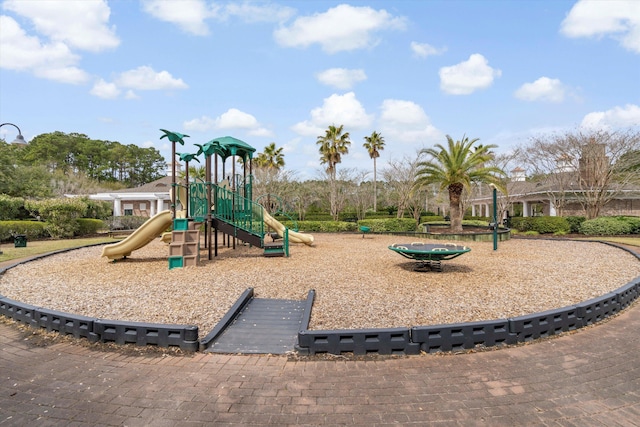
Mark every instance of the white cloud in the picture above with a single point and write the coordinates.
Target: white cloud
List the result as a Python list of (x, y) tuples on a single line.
[(188, 15), (468, 76), (131, 95), (231, 119), (261, 132), (617, 117), (61, 28), (543, 89), (341, 78), (105, 90), (236, 119), (619, 19), (251, 12), (81, 24), (22, 52), (145, 78), (191, 15), (422, 50), (336, 110), (200, 124), (141, 78), (148, 144), (406, 121), (341, 28)]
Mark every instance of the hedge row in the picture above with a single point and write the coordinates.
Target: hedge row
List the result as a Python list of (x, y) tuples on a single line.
[(388, 225), (391, 225), (89, 226), (611, 226), (541, 224), (322, 226), (32, 229), (603, 226), (10, 207), (35, 230)]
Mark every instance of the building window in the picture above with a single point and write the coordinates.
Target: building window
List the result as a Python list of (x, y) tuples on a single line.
[(143, 206), (128, 209)]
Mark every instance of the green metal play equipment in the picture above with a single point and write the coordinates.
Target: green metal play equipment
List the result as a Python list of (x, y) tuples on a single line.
[(227, 205), (429, 255)]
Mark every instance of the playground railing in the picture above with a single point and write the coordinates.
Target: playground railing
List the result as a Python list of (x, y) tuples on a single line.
[(198, 206), (238, 211)]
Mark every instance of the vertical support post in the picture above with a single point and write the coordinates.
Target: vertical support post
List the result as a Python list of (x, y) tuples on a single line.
[(186, 184), (495, 218), (173, 180)]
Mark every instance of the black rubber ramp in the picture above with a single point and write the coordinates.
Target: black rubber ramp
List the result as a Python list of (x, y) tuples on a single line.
[(267, 326)]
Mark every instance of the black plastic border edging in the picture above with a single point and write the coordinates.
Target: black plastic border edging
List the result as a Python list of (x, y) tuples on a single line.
[(451, 337), (465, 336), (103, 330), (306, 320), (228, 318)]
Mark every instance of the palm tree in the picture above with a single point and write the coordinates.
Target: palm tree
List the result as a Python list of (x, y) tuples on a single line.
[(374, 144), (195, 172), (454, 168), (333, 144), (271, 157)]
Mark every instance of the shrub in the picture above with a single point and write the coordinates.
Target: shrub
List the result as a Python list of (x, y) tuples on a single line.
[(128, 222), (10, 207), (322, 226), (60, 215), (389, 225), (574, 223), (432, 218), (541, 224), (89, 226), (32, 229), (634, 222), (98, 209), (606, 225)]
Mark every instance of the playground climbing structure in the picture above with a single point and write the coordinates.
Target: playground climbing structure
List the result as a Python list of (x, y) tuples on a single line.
[(226, 205)]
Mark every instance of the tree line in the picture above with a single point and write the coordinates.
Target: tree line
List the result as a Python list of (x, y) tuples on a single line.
[(56, 163), (441, 179)]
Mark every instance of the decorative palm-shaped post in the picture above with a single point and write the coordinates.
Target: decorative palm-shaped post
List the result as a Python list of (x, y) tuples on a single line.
[(173, 137), (208, 149), (186, 157)]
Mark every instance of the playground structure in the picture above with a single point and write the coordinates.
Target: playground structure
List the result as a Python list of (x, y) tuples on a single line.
[(429, 256), (224, 206)]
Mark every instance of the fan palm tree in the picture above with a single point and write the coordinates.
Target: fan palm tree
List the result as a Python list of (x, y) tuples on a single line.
[(195, 172), (374, 144), (454, 168), (333, 144), (271, 157)]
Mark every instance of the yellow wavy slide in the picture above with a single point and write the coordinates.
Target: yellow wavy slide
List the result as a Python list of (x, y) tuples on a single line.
[(143, 235), (294, 236)]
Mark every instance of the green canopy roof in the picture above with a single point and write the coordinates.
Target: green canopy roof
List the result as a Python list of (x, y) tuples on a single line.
[(230, 146)]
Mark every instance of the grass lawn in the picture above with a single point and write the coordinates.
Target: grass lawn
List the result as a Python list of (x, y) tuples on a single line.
[(9, 252), (631, 241)]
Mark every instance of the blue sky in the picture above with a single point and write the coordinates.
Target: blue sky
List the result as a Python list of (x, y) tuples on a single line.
[(414, 71)]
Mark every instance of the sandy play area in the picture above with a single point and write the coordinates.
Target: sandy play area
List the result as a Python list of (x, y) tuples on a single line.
[(359, 282)]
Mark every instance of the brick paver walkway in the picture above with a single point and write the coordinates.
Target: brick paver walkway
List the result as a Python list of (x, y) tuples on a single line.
[(588, 378)]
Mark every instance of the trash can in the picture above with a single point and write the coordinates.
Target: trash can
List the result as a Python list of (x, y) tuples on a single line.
[(20, 240)]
